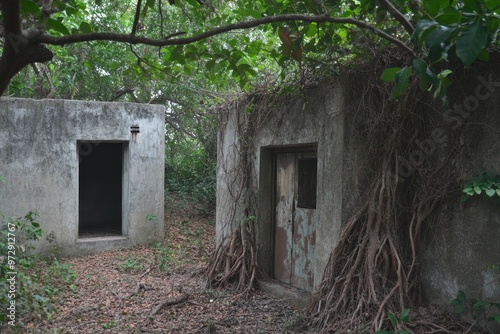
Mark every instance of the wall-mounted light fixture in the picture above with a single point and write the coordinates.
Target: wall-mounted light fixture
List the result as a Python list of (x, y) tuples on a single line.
[(134, 130)]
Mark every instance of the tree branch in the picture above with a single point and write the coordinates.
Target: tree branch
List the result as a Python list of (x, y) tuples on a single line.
[(125, 38), (18, 50), (124, 91), (136, 17), (11, 26), (397, 15)]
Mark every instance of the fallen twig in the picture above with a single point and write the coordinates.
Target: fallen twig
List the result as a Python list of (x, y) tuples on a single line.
[(146, 272), (168, 302)]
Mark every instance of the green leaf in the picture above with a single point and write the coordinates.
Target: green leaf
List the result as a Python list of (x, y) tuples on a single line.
[(193, 3), (468, 191), (393, 319), (449, 16), (480, 305), (464, 198), (440, 35), (419, 66), (444, 73), (210, 64), (85, 27), (422, 29), (478, 190), (483, 55), (312, 30), (389, 74), (490, 192), (491, 4), (471, 42), (471, 5), (405, 315), (57, 26), (401, 82), (71, 11), (494, 317), (434, 6), (498, 192), (493, 25), (29, 7)]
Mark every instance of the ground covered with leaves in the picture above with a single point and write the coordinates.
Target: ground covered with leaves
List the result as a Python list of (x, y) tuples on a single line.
[(161, 288)]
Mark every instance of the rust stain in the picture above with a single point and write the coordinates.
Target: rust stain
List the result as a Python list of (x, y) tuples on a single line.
[(295, 237)]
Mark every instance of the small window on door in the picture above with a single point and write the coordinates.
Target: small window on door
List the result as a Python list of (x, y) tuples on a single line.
[(307, 179)]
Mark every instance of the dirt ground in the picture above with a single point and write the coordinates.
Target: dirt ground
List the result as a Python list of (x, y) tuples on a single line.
[(160, 288)]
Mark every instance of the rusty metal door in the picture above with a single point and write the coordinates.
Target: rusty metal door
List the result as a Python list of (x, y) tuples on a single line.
[(295, 236)]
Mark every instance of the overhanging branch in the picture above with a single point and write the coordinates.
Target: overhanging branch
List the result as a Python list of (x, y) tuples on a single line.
[(397, 15), (132, 39)]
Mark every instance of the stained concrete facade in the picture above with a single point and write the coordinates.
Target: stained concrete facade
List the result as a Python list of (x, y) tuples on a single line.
[(60, 158), (463, 240), (318, 127)]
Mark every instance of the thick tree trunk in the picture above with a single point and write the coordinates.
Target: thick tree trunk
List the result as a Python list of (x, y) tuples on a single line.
[(19, 50), (11, 65)]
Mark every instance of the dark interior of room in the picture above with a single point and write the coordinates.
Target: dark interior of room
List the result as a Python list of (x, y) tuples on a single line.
[(100, 189)]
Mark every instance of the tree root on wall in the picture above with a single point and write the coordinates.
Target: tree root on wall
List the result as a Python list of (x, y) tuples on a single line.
[(234, 260), (373, 268)]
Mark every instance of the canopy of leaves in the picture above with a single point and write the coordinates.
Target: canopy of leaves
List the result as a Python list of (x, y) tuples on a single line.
[(316, 34)]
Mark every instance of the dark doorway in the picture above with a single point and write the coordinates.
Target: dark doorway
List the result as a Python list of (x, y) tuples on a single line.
[(100, 189)]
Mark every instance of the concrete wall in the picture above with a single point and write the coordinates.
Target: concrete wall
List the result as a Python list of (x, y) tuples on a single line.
[(463, 239), (40, 164), (319, 124)]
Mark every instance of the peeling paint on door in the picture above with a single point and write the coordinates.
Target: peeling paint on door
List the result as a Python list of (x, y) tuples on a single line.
[(295, 236)]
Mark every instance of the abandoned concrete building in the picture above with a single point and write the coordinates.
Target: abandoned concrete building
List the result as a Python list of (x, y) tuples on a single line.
[(92, 171), (307, 170)]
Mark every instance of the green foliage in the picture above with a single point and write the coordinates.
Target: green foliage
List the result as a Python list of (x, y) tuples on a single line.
[(444, 30), (151, 218), (130, 264), (464, 29), (190, 169), (479, 309), (482, 184), (109, 325), (163, 256), (397, 322), (34, 292)]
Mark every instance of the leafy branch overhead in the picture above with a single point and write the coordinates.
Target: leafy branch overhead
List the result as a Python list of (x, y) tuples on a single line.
[(448, 29), (323, 33)]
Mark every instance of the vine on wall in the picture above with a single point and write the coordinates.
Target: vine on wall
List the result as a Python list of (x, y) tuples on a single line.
[(374, 269)]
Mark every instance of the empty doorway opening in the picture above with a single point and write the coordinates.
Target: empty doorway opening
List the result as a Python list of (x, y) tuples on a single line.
[(100, 178)]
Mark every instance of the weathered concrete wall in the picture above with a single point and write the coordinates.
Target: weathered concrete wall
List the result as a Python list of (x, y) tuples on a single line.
[(40, 163), (317, 121), (463, 240)]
